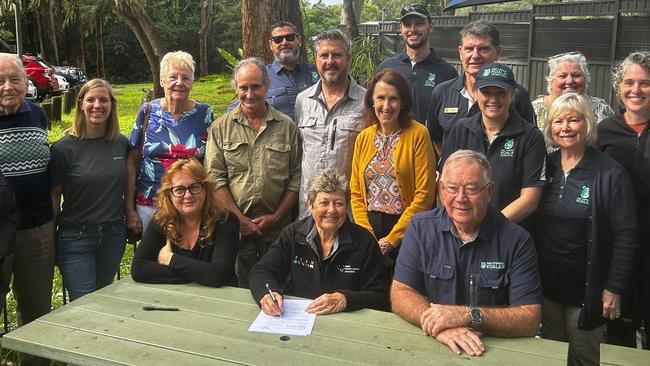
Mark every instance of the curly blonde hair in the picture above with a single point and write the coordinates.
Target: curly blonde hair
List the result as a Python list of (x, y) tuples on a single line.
[(168, 217)]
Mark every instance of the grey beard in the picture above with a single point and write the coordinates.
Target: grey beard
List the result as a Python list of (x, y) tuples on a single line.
[(290, 58)]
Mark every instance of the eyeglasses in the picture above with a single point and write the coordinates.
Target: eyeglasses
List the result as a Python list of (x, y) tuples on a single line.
[(572, 53), (194, 188), (418, 8), (289, 37), (470, 191)]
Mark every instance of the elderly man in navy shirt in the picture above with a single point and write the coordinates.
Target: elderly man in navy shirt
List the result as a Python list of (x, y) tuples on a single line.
[(463, 269), (288, 73)]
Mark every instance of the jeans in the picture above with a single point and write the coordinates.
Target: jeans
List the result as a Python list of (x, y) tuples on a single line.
[(89, 256)]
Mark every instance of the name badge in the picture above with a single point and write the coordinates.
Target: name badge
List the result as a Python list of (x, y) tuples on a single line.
[(451, 110)]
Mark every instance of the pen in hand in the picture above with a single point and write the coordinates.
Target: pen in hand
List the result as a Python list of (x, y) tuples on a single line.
[(275, 301)]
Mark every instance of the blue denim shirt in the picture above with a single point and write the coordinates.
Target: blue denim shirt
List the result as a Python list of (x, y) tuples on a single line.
[(285, 85)]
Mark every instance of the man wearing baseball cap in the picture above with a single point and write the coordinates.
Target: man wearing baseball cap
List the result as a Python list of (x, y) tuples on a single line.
[(417, 62), (514, 147)]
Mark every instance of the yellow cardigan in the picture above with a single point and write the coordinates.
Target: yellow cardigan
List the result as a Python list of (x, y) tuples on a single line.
[(415, 168)]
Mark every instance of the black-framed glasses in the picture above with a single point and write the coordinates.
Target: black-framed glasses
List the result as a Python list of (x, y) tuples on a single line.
[(418, 8), (194, 188), (289, 37), (470, 191)]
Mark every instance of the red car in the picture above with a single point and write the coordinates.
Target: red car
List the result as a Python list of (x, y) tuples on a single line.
[(41, 74)]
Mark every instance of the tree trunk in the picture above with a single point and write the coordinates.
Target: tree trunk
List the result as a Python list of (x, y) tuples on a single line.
[(99, 45), (207, 19), (47, 33), (257, 17), (73, 40), (136, 18), (349, 19)]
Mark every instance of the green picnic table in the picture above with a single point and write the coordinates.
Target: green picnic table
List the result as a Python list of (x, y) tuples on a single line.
[(109, 327)]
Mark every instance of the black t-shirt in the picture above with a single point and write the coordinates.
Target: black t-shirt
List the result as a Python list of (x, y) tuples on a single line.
[(93, 175)]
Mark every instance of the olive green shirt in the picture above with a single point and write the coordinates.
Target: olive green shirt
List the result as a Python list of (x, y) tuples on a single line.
[(258, 167)]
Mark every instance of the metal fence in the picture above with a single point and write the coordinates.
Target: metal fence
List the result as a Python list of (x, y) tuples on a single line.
[(604, 31)]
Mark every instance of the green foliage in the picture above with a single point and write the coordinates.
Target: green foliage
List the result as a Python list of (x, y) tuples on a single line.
[(319, 17), (370, 12), (365, 57), (230, 59)]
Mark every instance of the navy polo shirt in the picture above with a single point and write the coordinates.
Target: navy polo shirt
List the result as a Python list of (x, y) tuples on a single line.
[(285, 85), (564, 219), (517, 155), (447, 106), (501, 262), (422, 78)]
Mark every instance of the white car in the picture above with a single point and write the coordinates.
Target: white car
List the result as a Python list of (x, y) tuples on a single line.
[(32, 92), (63, 83)]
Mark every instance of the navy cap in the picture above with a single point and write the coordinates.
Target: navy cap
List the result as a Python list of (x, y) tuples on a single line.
[(418, 10), (498, 75)]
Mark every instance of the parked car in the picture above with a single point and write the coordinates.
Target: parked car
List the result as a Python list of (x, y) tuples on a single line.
[(74, 75), (32, 92), (41, 74), (63, 83)]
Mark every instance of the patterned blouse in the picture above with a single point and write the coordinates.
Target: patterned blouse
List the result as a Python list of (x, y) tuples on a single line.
[(381, 180), (167, 140)]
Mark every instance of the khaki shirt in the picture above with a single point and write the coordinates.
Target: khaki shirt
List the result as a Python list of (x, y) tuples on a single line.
[(258, 167)]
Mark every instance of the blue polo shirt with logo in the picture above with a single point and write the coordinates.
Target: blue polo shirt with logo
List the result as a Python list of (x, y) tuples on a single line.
[(517, 155), (498, 268), (422, 78), (447, 105)]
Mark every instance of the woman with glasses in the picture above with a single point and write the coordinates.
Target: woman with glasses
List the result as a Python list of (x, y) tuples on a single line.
[(514, 147), (88, 168), (568, 73), (586, 232), (191, 238)]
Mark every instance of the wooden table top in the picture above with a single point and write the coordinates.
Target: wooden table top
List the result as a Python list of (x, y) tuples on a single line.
[(109, 327)]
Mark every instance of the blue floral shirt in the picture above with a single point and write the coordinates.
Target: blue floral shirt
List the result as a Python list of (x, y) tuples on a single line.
[(166, 141)]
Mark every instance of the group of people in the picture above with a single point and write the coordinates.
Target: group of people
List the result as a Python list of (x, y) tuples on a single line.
[(451, 200)]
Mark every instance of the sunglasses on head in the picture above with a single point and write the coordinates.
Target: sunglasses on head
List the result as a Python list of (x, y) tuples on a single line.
[(572, 53), (289, 37)]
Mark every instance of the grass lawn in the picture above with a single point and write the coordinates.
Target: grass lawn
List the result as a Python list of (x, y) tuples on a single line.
[(212, 90)]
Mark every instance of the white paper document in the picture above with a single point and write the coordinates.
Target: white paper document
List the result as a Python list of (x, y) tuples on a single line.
[(294, 321)]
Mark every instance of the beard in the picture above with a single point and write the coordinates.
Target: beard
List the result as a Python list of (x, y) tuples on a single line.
[(335, 79), (288, 57)]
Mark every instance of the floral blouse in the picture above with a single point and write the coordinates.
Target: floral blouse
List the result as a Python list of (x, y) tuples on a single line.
[(167, 140)]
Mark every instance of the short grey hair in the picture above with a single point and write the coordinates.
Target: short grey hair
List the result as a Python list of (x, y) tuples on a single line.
[(470, 157), (17, 63), (250, 61), (333, 35), (575, 57), (178, 59), (326, 181), (481, 28), (641, 58), (571, 102)]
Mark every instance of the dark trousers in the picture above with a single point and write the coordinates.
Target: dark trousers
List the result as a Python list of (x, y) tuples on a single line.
[(382, 224)]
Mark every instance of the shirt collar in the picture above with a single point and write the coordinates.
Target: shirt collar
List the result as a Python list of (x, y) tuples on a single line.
[(431, 57), (275, 67), (271, 114), (484, 230), (354, 91)]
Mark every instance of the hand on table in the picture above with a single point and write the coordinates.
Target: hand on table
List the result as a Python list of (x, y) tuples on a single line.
[(165, 254), (327, 304), (611, 305), (462, 338), (269, 307), (440, 317)]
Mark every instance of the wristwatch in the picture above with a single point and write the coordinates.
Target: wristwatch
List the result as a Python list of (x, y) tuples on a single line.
[(476, 315)]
